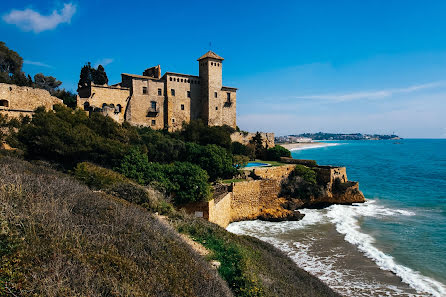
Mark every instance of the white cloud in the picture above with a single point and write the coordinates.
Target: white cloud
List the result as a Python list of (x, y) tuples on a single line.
[(103, 62), (373, 94), (37, 64), (31, 20)]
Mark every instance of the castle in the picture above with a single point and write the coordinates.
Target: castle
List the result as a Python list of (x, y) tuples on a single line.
[(166, 101)]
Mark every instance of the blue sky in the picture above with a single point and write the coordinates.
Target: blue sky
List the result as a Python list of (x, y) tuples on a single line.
[(300, 66)]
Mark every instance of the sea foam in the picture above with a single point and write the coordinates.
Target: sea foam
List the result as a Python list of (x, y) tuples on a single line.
[(346, 221)]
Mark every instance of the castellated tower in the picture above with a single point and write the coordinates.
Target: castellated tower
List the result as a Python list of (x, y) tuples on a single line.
[(210, 72)]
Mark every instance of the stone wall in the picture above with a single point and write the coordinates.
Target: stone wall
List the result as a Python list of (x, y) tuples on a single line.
[(96, 97), (16, 101), (139, 110), (220, 210), (328, 174), (245, 138), (277, 172)]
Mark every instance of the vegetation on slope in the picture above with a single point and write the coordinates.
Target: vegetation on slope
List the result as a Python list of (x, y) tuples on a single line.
[(58, 238), (250, 267)]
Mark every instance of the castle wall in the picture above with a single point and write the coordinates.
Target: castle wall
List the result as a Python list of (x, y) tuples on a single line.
[(245, 138), (140, 111), (328, 174), (228, 112), (16, 100), (96, 96)]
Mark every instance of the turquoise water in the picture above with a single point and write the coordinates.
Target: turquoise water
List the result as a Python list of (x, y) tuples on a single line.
[(392, 245), (405, 174), (256, 164)]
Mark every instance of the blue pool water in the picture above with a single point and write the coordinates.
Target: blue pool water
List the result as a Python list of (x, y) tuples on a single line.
[(256, 164), (402, 227)]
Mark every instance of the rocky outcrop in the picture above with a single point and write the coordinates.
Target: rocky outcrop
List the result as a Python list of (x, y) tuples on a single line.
[(348, 193)]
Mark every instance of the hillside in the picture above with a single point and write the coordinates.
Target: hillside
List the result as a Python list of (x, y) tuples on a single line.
[(59, 238)]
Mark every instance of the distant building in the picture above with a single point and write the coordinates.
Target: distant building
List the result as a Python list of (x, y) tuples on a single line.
[(166, 101)]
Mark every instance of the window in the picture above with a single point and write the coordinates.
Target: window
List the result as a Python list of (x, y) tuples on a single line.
[(216, 107), (228, 96), (153, 105), (188, 94), (182, 106), (178, 79), (104, 105), (118, 108), (181, 80), (144, 90), (215, 94), (170, 78), (86, 105), (173, 120), (172, 91), (153, 122), (160, 92), (212, 63)]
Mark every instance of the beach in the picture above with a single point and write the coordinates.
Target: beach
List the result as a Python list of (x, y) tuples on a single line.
[(305, 145)]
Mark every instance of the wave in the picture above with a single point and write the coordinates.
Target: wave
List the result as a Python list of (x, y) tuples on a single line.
[(346, 221)]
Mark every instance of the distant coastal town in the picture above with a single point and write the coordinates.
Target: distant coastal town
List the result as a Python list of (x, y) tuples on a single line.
[(309, 137)]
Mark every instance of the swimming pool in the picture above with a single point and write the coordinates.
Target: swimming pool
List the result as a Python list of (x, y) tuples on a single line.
[(257, 164)]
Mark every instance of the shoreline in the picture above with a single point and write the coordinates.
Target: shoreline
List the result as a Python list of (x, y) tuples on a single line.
[(305, 145)]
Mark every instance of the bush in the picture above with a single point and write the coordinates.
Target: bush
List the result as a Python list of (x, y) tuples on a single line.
[(275, 153), (239, 161), (198, 132), (301, 183), (186, 182), (240, 149), (214, 159), (69, 137), (97, 177)]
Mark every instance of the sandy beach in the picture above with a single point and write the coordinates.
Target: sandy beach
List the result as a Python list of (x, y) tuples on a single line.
[(305, 145)]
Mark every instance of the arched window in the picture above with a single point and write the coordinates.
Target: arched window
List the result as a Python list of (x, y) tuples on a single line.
[(104, 105), (86, 106), (118, 108), (4, 103), (112, 105)]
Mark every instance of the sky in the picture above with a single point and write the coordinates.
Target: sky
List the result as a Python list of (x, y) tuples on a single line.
[(299, 66)]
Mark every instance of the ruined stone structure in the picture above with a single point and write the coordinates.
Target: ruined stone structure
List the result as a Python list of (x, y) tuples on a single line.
[(16, 101), (250, 199), (166, 101), (245, 138)]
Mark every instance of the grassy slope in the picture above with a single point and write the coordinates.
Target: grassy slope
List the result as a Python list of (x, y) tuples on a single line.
[(58, 238), (94, 244)]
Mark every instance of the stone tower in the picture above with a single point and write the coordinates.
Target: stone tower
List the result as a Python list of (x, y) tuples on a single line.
[(210, 72)]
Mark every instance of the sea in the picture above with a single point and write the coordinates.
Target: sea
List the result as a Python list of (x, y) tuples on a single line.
[(392, 245)]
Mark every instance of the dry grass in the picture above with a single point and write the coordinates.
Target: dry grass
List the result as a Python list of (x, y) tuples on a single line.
[(58, 238)]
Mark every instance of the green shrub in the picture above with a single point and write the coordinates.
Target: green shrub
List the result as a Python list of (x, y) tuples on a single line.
[(239, 161), (214, 159), (186, 182), (275, 153), (97, 177), (200, 133), (240, 149), (301, 183), (69, 137)]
